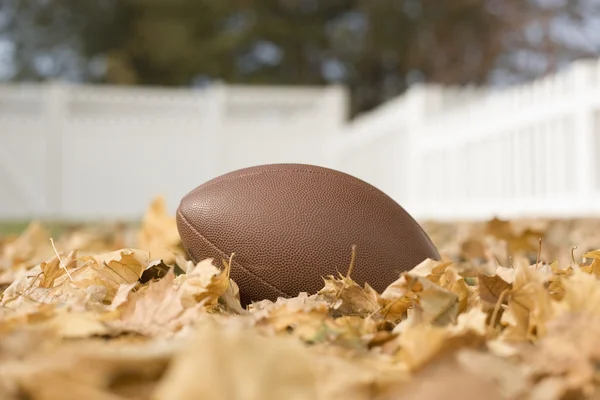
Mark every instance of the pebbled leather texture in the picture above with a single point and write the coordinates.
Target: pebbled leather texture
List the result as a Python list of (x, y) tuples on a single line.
[(291, 225)]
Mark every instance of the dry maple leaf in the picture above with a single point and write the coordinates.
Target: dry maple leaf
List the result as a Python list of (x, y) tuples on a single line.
[(473, 321), (491, 287), (529, 305), (242, 364), (156, 310), (446, 380), (122, 266), (430, 269), (96, 370), (397, 299), (158, 233), (419, 344), (594, 267), (555, 281), (473, 249), (533, 326), (75, 325), (435, 304), (581, 294), (346, 297), (304, 317), (455, 283), (110, 270), (31, 247), (526, 242), (504, 377), (205, 283), (568, 351), (56, 268)]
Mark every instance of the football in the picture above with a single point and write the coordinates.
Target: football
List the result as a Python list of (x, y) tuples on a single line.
[(292, 225)]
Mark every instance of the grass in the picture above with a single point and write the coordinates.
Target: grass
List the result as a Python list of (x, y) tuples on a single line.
[(12, 227), (56, 228)]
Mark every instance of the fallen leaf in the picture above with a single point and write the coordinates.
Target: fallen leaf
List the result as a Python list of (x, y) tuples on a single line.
[(158, 233), (346, 297), (529, 306), (156, 311)]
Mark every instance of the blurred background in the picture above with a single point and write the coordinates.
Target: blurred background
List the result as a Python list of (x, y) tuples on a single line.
[(461, 110)]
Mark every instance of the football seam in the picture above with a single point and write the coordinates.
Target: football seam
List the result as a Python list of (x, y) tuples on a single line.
[(185, 220), (354, 180)]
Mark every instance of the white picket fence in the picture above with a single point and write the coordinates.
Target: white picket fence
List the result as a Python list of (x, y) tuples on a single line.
[(447, 154), (87, 152)]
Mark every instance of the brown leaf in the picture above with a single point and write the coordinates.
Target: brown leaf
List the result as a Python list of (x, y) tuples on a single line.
[(594, 267), (304, 317), (204, 283), (568, 351), (507, 378), (420, 344), (239, 365), (396, 299), (76, 325), (581, 294), (155, 311), (473, 249), (529, 305), (31, 247), (430, 269), (242, 364), (491, 287), (158, 233), (437, 305), (346, 297), (121, 267), (110, 270), (50, 271), (447, 380)]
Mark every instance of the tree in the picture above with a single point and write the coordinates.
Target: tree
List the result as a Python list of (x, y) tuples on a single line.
[(375, 47)]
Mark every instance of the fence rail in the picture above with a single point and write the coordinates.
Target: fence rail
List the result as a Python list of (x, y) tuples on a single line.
[(530, 150), (95, 152), (76, 152)]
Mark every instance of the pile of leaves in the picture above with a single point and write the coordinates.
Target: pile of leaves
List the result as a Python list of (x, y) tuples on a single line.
[(110, 314)]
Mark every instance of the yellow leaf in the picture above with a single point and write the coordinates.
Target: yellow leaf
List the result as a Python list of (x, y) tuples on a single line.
[(491, 287), (473, 320), (121, 267), (420, 344), (569, 351), (581, 294), (51, 270), (529, 305), (156, 311), (594, 267), (396, 299), (205, 283), (158, 233), (239, 363), (437, 305), (76, 325), (430, 269), (346, 297), (31, 247)]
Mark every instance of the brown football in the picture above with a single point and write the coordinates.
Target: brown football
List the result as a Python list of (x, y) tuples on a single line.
[(291, 225)]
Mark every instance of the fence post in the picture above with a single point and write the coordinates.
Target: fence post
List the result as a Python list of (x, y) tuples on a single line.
[(584, 133), (335, 109), (56, 111), (217, 98), (415, 107)]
